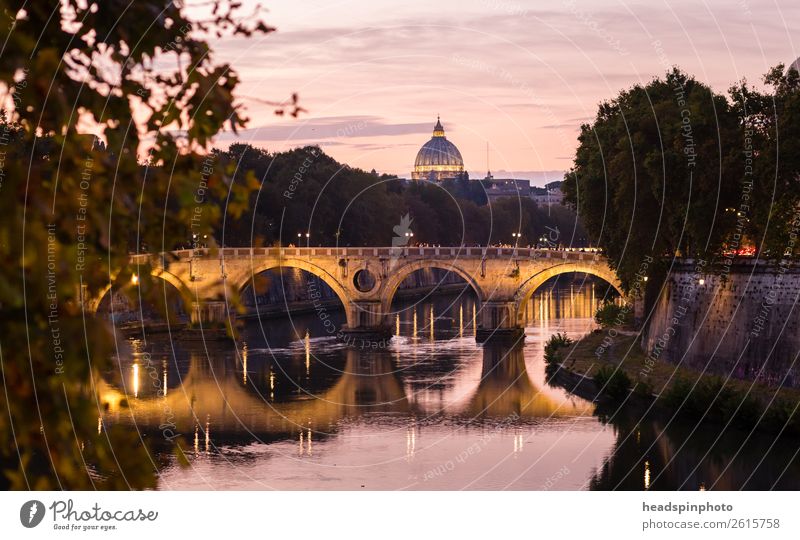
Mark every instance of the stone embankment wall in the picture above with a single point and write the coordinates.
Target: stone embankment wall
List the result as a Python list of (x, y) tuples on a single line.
[(744, 323)]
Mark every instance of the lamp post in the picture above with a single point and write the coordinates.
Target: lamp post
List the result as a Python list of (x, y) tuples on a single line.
[(517, 237)]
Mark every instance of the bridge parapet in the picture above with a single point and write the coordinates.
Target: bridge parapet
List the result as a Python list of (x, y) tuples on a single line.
[(413, 252)]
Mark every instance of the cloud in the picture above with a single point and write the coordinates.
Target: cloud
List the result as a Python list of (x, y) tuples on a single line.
[(332, 129)]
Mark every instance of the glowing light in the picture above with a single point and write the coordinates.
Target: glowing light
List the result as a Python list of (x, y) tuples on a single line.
[(411, 442), (208, 435), (308, 352), (135, 380), (519, 443), (646, 475), (99, 424), (135, 279), (397, 325), (271, 381), (196, 440), (461, 320), (432, 319), (414, 330), (702, 281), (244, 364)]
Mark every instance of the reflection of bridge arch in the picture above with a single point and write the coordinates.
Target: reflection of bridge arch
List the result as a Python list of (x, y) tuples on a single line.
[(208, 393), (530, 285), (305, 265), (398, 275)]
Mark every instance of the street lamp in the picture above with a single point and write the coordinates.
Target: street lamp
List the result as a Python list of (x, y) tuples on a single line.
[(135, 279)]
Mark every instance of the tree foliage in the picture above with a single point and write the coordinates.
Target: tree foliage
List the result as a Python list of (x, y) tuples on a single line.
[(672, 168), (654, 172), (92, 91), (771, 146)]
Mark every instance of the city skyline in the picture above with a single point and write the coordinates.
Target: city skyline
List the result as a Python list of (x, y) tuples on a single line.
[(492, 79)]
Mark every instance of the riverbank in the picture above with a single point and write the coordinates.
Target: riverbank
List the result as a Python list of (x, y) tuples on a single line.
[(598, 367)]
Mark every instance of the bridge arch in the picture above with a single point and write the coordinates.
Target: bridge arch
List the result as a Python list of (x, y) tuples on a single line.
[(530, 285), (398, 275), (305, 265), (184, 293)]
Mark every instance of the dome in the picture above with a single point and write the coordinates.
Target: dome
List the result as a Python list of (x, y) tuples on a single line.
[(438, 159)]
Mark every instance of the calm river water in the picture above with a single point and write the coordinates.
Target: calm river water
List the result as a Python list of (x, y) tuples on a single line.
[(291, 408)]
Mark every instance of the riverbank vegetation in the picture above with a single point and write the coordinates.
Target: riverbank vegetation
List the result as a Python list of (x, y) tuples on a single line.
[(621, 372)]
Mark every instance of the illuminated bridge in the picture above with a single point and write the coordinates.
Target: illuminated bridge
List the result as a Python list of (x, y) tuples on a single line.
[(366, 279)]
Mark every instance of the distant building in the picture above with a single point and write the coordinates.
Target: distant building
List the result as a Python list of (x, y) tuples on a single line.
[(499, 188), (550, 196), (438, 159)]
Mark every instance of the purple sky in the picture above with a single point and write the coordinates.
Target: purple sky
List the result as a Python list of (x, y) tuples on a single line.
[(518, 75)]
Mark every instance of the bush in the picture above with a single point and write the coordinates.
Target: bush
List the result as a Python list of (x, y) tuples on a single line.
[(555, 342), (613, 382), (781, 416), (610, 314), (720, 403)]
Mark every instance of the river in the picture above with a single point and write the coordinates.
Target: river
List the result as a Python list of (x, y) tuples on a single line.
[(291, 408)]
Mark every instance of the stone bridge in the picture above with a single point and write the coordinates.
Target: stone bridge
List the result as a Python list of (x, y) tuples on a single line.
[(366, 279)]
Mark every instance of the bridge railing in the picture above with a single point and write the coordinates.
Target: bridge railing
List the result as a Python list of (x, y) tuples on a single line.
[(387, 252)]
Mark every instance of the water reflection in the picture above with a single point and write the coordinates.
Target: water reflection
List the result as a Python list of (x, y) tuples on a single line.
[(294, 409), (506, 389), (654, 453)]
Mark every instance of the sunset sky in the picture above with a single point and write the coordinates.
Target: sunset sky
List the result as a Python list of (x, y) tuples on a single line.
[(518, 75)]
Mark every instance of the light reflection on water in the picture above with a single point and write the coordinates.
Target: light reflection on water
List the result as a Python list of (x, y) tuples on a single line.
[(294, 409)]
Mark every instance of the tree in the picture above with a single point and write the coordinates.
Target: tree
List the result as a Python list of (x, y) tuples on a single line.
[(770, 141), (109, 149), (655, 171)]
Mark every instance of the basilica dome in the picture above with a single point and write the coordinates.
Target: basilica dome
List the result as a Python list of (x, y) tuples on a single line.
[(438, 159)]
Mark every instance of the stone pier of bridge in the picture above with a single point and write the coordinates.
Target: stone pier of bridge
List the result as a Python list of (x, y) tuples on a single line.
[(365, 279)]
